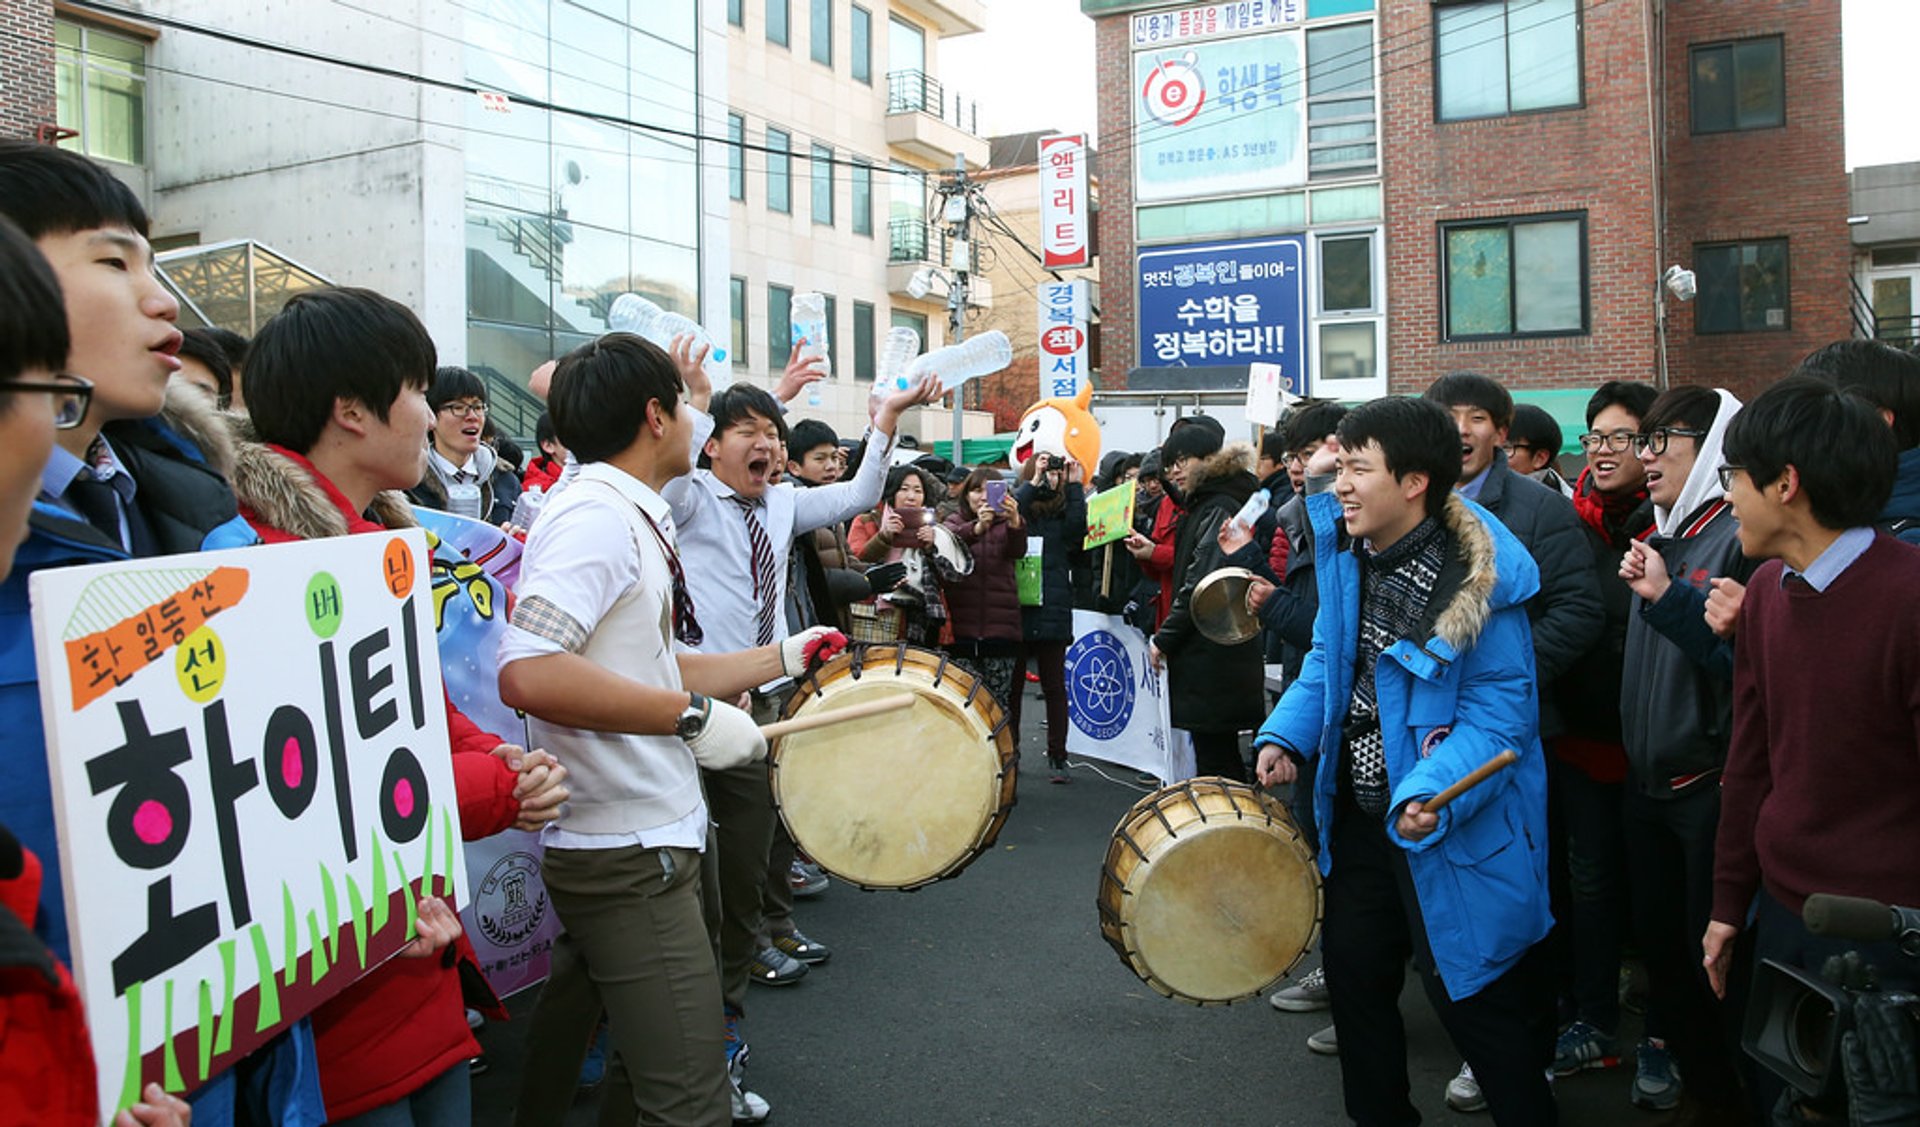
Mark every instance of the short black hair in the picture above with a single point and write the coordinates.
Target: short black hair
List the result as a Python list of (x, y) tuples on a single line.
[(1836, 440), (1877, 372), (543, 431), (330, 344), (1310, 423), (1532, 426), (1689, 406), (33, 316), (1274, 447), (54, 191), (450, 383), (1414, 436), (742, 401), (199, 344), (510, 453), (1471, 389), (808, 434), (1633, 398), (600, 393), (230, 342)]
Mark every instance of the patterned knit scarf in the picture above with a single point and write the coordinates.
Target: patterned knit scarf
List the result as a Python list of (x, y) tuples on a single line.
[(1398, 583)]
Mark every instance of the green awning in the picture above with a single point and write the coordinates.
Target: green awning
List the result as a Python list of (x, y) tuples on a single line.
[(1567, 405), (977, 451)]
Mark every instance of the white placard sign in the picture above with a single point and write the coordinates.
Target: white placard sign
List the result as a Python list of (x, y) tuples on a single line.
[(252, 787), (1264, 390), (1064, 208), (1117, 701), (1063, 337)]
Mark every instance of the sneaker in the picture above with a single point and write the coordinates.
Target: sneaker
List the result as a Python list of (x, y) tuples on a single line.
[(800, 947), (1656, 1079), (748, 1107), (737, 1050), (1057, 770), (1326, 1043), (594, 1069), (475, 1019), (477, 1065), (807, 879), (1463, 1092), (1305, 996), (1582, 1046), (774, 967)]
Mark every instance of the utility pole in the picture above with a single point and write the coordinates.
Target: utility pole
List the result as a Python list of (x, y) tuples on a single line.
[(959, 213)]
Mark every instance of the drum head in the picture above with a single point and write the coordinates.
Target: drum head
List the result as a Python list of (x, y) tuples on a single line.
[(952, 551), (900, 799), (1220, 607)]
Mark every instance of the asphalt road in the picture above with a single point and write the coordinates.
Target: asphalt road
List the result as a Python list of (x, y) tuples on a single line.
[(992, 999)]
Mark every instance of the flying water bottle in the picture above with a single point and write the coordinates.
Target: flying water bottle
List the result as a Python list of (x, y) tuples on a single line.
[(896, 356), (634, 314), (1251, 511), (807, 322), (981, 355)]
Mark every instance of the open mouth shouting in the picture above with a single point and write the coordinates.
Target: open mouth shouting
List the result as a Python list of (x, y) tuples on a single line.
[(168, 351)]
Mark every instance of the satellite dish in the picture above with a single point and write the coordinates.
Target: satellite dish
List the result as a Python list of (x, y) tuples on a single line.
[(571, 170)]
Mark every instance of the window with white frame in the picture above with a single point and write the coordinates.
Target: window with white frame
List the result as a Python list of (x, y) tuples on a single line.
[(100, 84)]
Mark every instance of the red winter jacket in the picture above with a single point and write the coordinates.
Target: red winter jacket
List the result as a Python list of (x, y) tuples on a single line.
[(405, 1023), (1159, 566), (46, 1061), (542, 472)]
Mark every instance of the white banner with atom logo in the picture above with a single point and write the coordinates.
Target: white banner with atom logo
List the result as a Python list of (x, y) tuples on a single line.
[(1117, 701)]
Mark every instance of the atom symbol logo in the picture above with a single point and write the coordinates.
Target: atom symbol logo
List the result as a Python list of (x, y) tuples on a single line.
[(1099, 685)]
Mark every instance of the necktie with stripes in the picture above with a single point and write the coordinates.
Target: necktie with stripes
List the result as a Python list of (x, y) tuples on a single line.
[(765, 577)]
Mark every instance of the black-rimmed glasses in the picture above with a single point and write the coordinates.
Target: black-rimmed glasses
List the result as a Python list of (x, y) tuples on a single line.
[(71, 396), (1655, 442), (1616, 441), (1726, 477)]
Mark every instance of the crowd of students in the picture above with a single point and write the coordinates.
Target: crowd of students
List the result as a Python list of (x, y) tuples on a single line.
[(1705, 650)]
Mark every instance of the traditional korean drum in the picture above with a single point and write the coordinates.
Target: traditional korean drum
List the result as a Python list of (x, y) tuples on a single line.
[(901, 799), (1209, 892)]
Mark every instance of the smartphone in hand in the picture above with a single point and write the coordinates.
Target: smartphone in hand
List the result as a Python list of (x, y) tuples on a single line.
[(996, 494)]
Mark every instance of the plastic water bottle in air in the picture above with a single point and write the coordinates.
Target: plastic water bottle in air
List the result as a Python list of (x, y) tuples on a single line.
[(1251, 511), (807, 320), (896, 356), (955, 364), (632, 313), (527, 509)]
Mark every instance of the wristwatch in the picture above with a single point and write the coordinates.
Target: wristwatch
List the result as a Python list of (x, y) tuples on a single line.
[(694, 718)]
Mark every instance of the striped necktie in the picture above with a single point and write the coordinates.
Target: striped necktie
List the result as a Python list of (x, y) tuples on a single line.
[(765, 574)]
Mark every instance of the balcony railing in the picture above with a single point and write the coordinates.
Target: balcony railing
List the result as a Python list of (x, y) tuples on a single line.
[(912, 91), (915, 240)]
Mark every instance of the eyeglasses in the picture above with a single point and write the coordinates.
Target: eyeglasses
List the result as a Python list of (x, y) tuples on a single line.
[(1616, 441), (1656, 441), (1726, 477), (466, 409), (1302, 455), (71, 395), (1512, 446)]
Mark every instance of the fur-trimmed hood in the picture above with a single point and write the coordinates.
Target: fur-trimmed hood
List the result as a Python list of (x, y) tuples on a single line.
[(1234, 457), (1490, 571), (188, 413), (282, 493)]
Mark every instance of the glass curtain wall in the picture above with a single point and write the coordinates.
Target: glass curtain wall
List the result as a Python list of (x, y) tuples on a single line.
[(566, 211)]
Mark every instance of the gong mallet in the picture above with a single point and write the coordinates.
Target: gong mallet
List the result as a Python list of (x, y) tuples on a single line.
[(1474, 778), (859, 711)]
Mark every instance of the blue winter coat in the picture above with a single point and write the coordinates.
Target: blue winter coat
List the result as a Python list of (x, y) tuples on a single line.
[(1447, 705)]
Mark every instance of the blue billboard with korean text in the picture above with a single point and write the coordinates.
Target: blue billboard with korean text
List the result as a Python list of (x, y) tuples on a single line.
[(1226, 303)]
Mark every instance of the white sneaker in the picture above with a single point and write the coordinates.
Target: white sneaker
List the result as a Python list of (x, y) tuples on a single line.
[(748, 1107), (1305, 996), (1326, 1042), (1463, 1092)]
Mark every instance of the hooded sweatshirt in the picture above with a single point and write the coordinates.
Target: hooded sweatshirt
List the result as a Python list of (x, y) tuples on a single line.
[(1676, 691)]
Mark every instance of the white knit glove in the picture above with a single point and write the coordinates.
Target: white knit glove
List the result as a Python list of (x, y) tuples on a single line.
[(728, 739)]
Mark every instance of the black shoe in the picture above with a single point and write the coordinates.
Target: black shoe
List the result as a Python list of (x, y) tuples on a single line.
[(774, 967)]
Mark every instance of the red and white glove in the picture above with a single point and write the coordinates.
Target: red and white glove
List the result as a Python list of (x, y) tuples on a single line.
[(810, 649)]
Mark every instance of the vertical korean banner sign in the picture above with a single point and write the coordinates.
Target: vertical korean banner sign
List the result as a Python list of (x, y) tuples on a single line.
[(1064, 208), (1225, 304), (1064, 309), (252, 787)]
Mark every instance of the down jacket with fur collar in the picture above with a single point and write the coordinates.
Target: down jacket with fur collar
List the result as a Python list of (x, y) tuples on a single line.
[(1210, 687), (1455, 693)]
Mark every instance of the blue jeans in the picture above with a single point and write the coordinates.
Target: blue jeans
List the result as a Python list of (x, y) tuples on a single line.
[(445, 1101)]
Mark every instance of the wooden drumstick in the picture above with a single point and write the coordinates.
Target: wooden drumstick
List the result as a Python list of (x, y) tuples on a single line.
[(1474, 778), (837, 716)]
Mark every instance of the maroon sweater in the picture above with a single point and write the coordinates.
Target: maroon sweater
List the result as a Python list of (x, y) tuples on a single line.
[(1822, 785)]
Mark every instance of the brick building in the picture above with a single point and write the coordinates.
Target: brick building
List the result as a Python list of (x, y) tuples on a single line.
[(1494, 185), (26, 69)]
